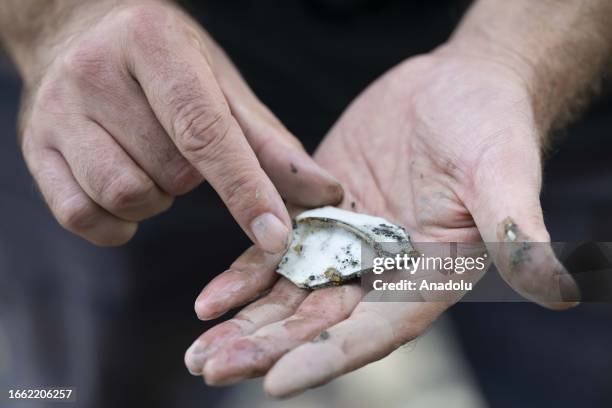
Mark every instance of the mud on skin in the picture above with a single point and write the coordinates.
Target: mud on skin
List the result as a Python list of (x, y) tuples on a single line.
[(509, 231), (324, 335)]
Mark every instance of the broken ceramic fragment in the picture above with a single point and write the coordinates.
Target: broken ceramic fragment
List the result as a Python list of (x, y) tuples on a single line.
[(328, 245)]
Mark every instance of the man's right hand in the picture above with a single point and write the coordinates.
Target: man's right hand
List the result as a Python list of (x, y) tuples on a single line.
[(127, 106)]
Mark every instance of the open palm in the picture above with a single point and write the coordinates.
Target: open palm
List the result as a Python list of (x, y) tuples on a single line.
[(446, 146)]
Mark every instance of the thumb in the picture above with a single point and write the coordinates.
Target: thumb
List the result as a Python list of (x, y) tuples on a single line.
[(298, 178), (506, 208)]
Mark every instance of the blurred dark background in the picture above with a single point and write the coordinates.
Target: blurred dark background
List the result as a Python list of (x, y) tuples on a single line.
[(115, 322)]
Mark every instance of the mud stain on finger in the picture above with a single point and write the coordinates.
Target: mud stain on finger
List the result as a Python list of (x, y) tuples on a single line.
[(509, 230), (324, 335), (518, 252), (520, 255), (534, 265)]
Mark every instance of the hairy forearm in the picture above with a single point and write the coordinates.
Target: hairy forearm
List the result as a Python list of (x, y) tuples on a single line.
[(30, 30), (562, 49)]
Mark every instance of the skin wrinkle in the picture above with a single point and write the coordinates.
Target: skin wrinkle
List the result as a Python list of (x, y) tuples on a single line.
[(445, 181), (262, 311), (437, 227), (131, 189), (377, 182), (261, 145)]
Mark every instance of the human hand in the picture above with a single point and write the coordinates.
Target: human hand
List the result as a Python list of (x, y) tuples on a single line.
[(443, 144), (129, 105)]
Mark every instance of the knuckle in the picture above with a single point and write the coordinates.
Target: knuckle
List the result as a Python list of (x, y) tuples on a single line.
[(51, 93), (199, 131), (127, 192), (76, 214), (86, 63), (42, 109)]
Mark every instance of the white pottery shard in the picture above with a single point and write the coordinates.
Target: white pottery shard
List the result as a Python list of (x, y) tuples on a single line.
[(328, 244)]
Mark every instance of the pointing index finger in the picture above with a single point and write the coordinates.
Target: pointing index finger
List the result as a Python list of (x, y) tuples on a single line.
[(182, 90)]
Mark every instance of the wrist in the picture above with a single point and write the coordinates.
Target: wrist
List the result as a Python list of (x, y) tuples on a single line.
[(511, 67), (519, 65), (34, 47), (559, 50)]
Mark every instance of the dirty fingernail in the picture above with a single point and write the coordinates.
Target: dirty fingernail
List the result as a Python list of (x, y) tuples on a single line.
[(333, 191), (271, 234), (324, 188)]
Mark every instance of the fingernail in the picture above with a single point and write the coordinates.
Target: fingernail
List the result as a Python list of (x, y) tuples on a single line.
[(195, 357), (336, 193), (332, 191), (271, 234)]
